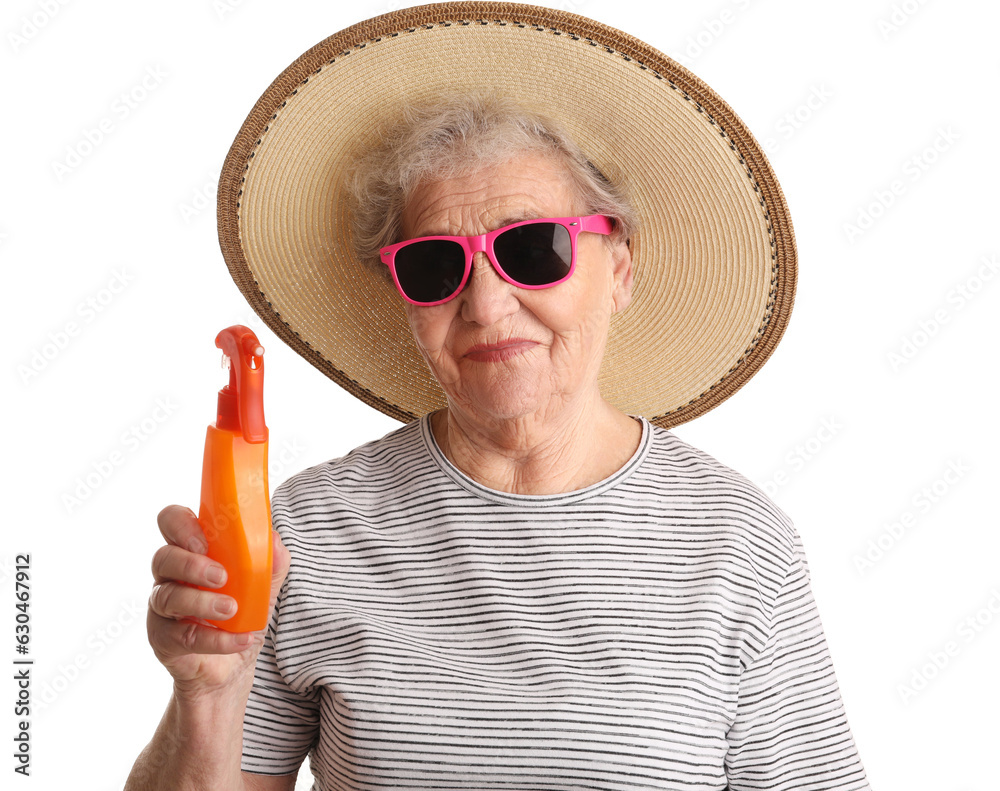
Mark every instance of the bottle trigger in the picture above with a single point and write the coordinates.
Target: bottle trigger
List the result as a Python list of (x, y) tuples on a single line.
[(241, 402)]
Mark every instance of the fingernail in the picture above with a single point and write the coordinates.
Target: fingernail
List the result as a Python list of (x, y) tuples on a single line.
[(244, 639), (216, 574), (198, 545), (225, 606)]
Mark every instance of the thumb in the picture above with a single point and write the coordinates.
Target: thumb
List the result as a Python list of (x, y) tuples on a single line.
[(281, 560)]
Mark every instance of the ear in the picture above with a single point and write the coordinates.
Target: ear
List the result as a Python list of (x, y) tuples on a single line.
[(621, 261)]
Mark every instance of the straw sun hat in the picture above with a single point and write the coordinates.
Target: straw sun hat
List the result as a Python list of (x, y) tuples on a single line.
[(714, 257)]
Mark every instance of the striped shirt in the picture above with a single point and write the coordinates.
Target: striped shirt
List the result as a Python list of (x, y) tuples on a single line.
[(655, 630)]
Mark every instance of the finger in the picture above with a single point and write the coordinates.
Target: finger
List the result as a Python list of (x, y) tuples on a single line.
[(170, 638), (175, 600), (180, 527), (173, 563)]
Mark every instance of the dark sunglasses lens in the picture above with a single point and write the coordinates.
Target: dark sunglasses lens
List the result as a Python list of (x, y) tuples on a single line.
[(538, 254), (430, 270)]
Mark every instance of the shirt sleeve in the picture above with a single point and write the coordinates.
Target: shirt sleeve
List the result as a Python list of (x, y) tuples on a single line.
[(280, 725), (790, 729)]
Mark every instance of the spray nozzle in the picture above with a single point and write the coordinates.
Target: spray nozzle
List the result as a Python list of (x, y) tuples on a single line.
[(241, 402)]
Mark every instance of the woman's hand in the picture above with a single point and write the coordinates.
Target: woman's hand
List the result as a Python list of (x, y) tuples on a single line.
[(201, 658)]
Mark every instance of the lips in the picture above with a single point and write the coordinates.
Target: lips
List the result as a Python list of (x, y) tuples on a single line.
[(500, 351)]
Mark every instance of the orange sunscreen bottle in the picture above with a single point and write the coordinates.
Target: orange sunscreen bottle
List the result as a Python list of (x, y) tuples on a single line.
[(235, 511)]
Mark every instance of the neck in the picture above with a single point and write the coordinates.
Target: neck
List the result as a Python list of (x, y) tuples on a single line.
[(538, 454)]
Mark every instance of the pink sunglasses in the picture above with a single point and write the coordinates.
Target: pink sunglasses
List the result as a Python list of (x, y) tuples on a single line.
[(531, 254)]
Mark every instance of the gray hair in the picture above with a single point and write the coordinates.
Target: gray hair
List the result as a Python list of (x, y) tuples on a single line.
[(454, 137)]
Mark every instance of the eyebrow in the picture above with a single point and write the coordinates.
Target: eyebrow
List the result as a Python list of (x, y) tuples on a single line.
[(510, 220), (517, 218)]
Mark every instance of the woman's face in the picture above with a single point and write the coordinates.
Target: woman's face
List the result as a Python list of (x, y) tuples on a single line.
[(499, 351)]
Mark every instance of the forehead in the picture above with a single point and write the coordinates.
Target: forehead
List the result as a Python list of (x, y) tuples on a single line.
[(526, 187)]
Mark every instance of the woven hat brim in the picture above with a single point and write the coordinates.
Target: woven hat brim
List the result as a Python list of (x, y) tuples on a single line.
[(714, 258)]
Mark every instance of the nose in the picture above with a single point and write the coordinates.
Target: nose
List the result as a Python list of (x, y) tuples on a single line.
[(487, 298)]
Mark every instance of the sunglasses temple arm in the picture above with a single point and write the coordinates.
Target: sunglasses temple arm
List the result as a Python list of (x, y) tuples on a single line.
[(597, 223)]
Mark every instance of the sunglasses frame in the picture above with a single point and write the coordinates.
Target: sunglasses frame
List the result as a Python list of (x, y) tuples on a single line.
[(483, 243)]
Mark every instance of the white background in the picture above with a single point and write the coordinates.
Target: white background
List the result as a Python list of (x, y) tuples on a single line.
[(853, 97)]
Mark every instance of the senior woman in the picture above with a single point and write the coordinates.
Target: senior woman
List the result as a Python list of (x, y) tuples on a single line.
[(533, 584)]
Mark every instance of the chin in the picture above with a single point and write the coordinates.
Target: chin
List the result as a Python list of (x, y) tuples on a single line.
[(501, 400)]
